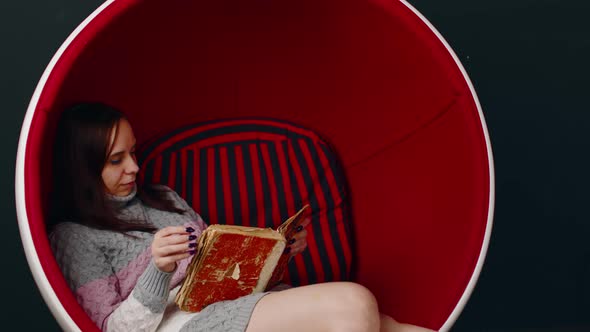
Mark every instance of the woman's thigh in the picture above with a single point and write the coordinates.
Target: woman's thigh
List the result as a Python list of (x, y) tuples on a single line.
[(335, 306)]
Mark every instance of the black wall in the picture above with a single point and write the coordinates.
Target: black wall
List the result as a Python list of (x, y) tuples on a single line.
[(527, 60)]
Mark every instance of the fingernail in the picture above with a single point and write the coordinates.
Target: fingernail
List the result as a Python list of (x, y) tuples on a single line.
[(192, 252), (192, 245), (192, 237), (287, 250), (190, 229), (292, 241), (299, 228)]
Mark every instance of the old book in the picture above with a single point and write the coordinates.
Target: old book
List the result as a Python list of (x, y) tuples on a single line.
[(234, 261)]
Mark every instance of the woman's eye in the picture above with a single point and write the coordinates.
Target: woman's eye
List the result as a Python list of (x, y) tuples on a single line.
[(115, 161)]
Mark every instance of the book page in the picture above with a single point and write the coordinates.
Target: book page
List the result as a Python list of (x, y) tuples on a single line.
[(287, 230), (289, 227)]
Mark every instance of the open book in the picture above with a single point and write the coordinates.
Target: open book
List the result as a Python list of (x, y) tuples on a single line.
[(233, 261)]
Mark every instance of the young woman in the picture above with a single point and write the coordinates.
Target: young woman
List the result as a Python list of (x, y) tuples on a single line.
[(123, 248)]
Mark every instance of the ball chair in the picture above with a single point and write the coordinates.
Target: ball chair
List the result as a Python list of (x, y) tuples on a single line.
[(373, 78)]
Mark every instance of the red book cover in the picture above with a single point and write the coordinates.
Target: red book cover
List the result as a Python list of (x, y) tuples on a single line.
[(234, 261)]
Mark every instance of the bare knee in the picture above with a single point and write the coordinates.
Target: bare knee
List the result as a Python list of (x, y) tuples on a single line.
[(356, 308)]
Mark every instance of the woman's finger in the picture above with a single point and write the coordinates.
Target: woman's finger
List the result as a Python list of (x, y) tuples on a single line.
[(299, 236), (295, 250), (300, 243), (174, 239), (169, 260), (174, 249), (306, 222), (170, 230)]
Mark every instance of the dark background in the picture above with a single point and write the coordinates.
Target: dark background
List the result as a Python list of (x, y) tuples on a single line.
[(528, 62)]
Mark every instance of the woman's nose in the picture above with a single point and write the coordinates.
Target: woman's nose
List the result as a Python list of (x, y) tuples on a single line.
[(131, 166)]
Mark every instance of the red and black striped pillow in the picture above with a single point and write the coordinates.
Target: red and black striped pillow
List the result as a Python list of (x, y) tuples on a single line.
[(258, 172)]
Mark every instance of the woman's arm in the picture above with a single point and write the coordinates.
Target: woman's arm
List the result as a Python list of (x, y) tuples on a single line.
[(91, 276), (87, 271), (144, 307)]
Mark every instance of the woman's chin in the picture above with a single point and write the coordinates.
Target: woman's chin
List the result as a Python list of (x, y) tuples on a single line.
[(125, 189)]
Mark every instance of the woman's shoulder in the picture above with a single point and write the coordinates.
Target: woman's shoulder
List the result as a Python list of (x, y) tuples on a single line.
[(71, 234), (177, 200), (70, 229), (168, 192), (161, 187), (67, 237)]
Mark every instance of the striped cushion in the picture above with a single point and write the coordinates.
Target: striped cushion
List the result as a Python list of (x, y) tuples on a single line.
[(257, 173)]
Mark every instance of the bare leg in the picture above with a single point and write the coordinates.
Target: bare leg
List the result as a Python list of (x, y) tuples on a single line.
[(334, 306), (389, 324)]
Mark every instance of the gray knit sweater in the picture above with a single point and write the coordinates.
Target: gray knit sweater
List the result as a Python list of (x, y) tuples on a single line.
[(112, 275)]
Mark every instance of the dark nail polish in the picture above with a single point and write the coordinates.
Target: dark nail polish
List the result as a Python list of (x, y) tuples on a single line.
[(192, 237), (299, 228), (292, 241), (287, 250), (192, 245), (190, 229), (192, 252)]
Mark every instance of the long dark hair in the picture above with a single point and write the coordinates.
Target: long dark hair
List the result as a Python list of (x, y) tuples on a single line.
[(80, 152)]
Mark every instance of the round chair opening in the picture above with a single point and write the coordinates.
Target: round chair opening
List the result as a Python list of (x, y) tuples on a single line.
[(370, 77)]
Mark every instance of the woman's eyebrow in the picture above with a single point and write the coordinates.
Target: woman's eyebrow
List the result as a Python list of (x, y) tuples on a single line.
[(116, 154)]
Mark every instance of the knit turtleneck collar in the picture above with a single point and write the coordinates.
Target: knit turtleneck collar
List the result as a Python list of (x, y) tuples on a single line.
[(122, 201)]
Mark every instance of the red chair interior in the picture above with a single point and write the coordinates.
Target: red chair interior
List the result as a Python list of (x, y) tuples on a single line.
[(367, 76)]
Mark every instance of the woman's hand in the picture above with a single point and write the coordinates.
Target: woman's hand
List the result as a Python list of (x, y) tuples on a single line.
[(172, 244), (298, 243)]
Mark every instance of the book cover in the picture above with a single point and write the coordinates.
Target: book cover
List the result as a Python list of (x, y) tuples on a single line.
[(234, 261)]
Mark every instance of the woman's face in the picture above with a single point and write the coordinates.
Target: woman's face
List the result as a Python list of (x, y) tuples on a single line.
[(121, 167)]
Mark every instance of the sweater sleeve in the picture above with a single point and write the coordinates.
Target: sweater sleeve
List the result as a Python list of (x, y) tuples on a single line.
[(144, 308), (96, 286)]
